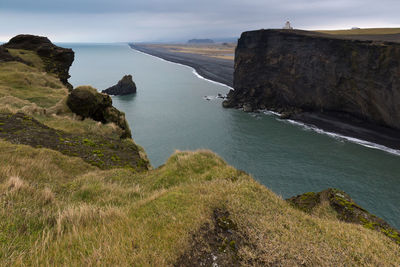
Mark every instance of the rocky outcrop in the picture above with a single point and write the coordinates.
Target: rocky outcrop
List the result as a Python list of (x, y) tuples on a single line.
[(57, 60), (346, 209), (125, 86), (294, 71), (86, 102)]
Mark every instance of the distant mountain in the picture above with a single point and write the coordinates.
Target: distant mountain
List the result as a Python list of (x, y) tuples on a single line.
[(200, 41)]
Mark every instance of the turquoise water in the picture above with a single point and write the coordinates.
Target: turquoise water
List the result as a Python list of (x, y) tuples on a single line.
[(169, 112)]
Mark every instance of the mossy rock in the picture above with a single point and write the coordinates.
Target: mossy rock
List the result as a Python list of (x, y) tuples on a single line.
[(346, 209), (86, 102)]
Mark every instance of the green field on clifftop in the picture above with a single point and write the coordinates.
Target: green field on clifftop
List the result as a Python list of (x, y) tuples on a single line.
[(368, 31)]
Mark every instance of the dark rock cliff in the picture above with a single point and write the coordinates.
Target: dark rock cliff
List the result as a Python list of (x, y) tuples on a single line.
[(57, 60), (295, 71), (125, 86)]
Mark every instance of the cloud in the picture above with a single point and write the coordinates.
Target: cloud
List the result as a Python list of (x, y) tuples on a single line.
[(155, 20)]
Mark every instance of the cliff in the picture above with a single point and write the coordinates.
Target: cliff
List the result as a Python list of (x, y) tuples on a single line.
[(297, 71), (74, 193), (56, 60)]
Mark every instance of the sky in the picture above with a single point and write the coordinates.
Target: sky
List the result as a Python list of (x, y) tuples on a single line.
[(179, 20)]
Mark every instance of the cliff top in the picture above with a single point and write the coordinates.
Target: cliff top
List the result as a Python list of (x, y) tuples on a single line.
[(378, 39)]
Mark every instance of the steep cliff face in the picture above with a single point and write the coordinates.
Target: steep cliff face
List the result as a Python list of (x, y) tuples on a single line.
[(294, 71), (57, 60)]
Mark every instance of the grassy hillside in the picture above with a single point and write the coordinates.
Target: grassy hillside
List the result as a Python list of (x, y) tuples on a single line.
[(61, 209), (369, 31)]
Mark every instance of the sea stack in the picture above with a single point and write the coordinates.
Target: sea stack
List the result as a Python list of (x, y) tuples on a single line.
[(125, 86)]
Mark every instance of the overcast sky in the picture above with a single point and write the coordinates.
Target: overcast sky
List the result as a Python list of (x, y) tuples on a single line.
[(168, 20)]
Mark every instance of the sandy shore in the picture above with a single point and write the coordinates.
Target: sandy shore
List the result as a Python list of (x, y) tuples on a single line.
[(216, 69), (221, 70)]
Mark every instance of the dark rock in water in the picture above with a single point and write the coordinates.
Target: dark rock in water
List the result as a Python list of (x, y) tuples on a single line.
[(346, 209), (287, 69), (86, 102), (57, 60), (125, 86), (221, 96)]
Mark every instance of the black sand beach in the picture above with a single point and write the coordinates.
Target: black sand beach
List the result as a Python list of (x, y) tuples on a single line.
[(215, 69), (221, 70)]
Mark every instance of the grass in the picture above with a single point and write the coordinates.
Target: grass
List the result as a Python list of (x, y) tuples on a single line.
[(57, 210), (28, 56), (30, 84), (70, 124), (370, 31)]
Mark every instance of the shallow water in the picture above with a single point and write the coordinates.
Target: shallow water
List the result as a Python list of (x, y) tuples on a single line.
[(169, 112)]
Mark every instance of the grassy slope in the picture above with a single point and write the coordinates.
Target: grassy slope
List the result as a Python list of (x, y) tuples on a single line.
[(59, 210), (371, 31)]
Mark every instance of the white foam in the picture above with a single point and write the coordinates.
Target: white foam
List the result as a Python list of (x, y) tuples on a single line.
[(344, 137), (193, 69), (270, 112)]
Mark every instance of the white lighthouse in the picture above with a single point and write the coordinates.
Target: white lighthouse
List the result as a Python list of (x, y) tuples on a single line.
[(288, 26)]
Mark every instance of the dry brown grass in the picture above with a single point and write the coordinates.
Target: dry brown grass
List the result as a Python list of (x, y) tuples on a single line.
[(77, 215), (14, 184)]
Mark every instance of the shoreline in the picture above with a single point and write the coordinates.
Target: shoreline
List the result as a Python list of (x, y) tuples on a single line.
[(358, 132), (213, 69)]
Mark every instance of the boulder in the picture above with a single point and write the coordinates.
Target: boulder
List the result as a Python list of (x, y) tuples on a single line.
[(86, 102), (125, 86), (247, 107), (57, 60)]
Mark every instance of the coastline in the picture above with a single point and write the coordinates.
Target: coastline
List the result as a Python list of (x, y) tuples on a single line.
[(359, 132), (213, 69)]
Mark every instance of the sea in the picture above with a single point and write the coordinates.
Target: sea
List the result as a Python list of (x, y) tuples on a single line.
[(176, 109)]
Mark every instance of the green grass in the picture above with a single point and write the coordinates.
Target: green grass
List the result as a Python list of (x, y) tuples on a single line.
[(370, 31), (28, 56), (28, 83)]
